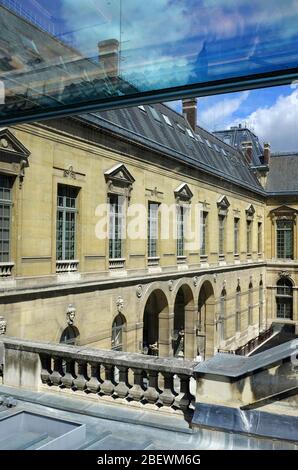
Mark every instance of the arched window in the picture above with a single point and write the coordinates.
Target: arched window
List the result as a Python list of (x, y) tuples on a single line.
[(117, 332), (250, 304), (70, 335), (284, 299), (222, 314), (238, 309), (261, 304)]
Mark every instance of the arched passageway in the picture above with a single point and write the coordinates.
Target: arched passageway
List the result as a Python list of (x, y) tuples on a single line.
[(184, 332), (206, 321), (155, 328)]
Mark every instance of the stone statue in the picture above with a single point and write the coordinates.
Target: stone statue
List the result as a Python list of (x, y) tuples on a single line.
[(70, 314), (3, 324)]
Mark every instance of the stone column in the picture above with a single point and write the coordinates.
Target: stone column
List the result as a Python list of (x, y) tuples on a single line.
[(166, 326), (190, 338), (210, 329)]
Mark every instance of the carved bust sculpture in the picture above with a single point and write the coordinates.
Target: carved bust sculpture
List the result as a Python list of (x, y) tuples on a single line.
[(120, 304), (70, 314), (3, 324)]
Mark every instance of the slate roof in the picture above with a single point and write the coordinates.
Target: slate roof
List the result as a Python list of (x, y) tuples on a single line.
[(202, 150), (283, 174), (236, 135)]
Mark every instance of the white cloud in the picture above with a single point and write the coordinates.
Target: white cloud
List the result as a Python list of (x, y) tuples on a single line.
[(216, 116), (277, 124)]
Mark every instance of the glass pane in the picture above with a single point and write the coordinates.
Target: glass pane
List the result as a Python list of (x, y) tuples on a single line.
[(58, 55)]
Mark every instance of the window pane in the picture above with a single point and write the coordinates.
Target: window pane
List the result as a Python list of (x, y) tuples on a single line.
[(66, 222), (5, 217), (152, 229)]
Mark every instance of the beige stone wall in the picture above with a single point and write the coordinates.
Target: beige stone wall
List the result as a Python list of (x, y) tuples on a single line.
[(280, 207), (36, 298)]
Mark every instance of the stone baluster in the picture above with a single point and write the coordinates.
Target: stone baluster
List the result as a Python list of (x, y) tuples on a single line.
[(81, 379), (136, 393), (93, 384), (167, 397), (57, 372), (46, 371), (69, 373), (152, 393), (184, 400), (122, 388), (108, 385)]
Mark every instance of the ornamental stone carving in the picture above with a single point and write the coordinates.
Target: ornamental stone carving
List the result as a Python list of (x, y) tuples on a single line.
[(171, 285), (70, 314), (139, 291), (284, 274), (3, 324), (69, 173), (120, 304), (195, 281)]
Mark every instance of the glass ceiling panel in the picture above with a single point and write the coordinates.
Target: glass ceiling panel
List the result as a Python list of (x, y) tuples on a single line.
[(70, 56)]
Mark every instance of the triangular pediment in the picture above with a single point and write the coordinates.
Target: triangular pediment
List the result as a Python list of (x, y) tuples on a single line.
[(119, 173), (11, 146), (223, 203), (250, 210), (183, 192), (283, 210)]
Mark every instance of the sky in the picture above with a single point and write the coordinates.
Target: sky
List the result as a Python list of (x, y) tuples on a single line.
[(272, 113)]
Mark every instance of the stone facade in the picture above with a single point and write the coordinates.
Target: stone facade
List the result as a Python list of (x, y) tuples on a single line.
[(195, 295)]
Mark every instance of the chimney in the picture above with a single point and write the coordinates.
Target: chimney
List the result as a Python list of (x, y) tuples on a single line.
[(247, 150), (266, 154), (189, 109), (109, 56)]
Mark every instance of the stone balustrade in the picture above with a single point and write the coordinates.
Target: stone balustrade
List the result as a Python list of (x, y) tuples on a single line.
[(67, 266), (153, 261), (6, 269), (117, 263), (124, 378)]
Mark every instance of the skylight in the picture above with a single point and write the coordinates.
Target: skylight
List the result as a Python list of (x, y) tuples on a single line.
[(208, 143), (155, 113), (216, 148), (190, 133), (224, 152), (142, 108), (167, 119), (200, 138), (181, 129)]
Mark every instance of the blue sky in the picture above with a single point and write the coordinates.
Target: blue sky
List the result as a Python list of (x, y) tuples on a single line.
[(271, 112)]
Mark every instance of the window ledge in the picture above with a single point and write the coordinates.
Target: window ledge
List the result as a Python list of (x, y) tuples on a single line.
[(116, 263), (6, 269), (181, 259), (67, 266)]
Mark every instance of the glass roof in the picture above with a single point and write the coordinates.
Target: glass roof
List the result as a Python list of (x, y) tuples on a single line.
[(70, 56)]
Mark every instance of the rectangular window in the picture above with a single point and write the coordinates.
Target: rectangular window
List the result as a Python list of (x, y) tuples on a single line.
[(5, 217), (248, 236), (204, 232), (180, 231), (152, 229), (238, 310), (116, 226), (260, 237), (284, 239), (66, 222), (221, 234), (236, 235)]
